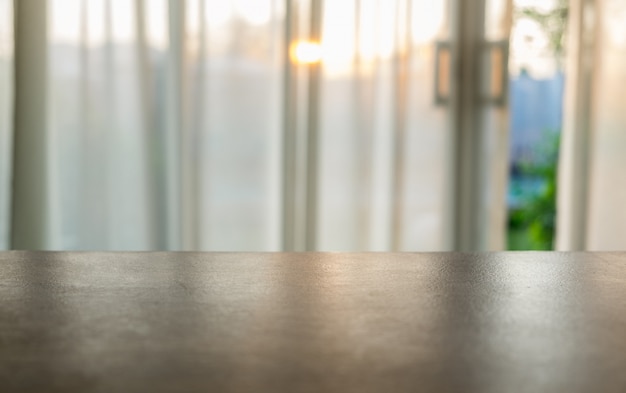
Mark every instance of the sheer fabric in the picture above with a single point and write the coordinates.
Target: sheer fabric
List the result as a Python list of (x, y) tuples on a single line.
[(166, 118), (385, 168), (606, 215), (167, 125), (591, 214)]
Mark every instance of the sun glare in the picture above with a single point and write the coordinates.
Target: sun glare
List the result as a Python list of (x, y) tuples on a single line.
[(306, 52)]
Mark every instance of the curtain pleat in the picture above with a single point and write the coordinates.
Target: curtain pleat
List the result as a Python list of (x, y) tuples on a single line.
[(32, 200), (6, 118)]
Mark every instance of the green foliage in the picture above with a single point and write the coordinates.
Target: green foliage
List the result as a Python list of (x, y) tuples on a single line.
[(553, 23), (533, 226)]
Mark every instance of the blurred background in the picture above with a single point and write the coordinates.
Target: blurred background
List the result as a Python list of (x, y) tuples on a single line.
[(270, 125)]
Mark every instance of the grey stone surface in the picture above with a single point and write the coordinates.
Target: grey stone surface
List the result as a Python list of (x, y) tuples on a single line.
[(316, 322)]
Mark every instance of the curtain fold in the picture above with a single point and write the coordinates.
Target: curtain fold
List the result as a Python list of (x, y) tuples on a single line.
[(6, 118), (32, 200)]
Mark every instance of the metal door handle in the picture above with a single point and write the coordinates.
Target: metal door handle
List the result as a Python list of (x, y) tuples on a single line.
[(496, 66), (443, 68)]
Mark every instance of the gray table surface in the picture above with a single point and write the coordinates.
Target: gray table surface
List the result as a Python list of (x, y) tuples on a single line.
[(316, 322)]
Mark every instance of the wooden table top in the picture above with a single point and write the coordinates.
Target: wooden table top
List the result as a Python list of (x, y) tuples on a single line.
[(312, 322)]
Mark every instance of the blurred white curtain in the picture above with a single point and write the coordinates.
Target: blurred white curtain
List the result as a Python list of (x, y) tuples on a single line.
[(591, 213), (174, 125), (193, 124), (162, 124)]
